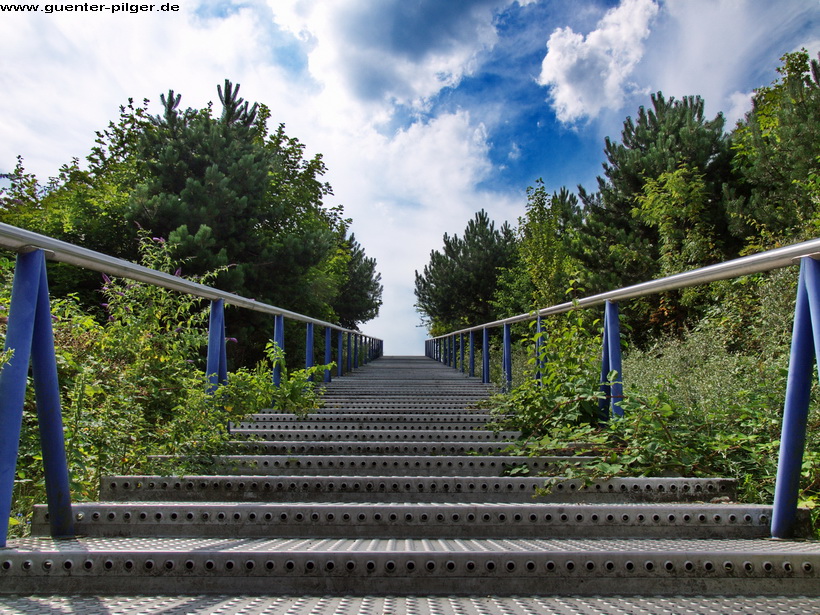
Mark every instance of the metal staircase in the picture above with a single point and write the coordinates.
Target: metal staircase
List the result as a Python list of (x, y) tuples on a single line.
[(392, 498)]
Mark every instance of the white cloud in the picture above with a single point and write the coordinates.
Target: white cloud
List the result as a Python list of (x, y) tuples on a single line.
[(589, 73), (722, 49), (404, 190)]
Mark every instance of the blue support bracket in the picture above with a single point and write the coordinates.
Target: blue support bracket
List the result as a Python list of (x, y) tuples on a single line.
[(805, 351), (309, 362), (611, 361), (328, 351), (279, 340), (485, 357), (539, 344), (340, 337), (507, 358), (217, 363), (31, 338), (472, 354)]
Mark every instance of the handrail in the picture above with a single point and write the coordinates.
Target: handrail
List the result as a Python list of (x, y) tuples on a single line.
[(805, 352), (29, 336), (747, 265), (17, 239)]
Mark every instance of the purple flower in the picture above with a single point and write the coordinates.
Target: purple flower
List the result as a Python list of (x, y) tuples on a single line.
[(232, 339), (158, 239), (178, 272), (106, 279)]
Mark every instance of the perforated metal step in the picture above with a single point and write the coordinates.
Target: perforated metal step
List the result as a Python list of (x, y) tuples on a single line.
[(408, 489), (425, 520), (372, 465), (370, 448), (428, 566), (202, 604), (370, 435)]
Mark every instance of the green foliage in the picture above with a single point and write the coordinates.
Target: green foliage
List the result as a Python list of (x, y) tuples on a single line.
[(457, 285), (229, 195), (543, 242), (561, 383), (297, 392), (776, 151), (134, 386)]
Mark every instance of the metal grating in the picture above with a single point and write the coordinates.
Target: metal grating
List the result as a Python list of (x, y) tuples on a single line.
[(407, 605), (418, 520), (408, 489)]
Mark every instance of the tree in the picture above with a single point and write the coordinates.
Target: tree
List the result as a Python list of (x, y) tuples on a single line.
[(777, 146), (457, 286), (360, 296), (623, 248), (544, 238)]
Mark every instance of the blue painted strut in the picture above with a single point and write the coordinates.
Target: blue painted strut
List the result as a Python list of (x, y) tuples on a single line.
[(30, 336), (506, 358), (217, 362), (328, 352), (611, 361), (804, 352), (279, 340)]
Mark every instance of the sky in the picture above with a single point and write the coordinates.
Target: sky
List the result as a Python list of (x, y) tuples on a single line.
[(425, 111)]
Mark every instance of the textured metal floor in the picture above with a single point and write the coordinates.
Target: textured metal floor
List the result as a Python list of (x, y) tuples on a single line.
[(402, 605)]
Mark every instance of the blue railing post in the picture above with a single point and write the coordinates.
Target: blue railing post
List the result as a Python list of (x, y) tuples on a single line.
[(356, 351), (328, 351), (340, 336), (485, 357), (309, 362), (538, 346), (30, 336), (611, 361), (461, 350), (507, 358), (349, 352), (805, 351), (217, 362), (472, 354), (279, 341)]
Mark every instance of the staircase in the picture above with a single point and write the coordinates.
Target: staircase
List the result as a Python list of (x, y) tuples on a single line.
[(392, 498)]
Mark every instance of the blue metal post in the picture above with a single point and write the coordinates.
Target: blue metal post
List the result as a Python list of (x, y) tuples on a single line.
[(356, 351), (472, 354), (279, 340), (309, 362), (461, 349), (349, 352), (485, 357), (339, 354), (805, 350), (328, 351), (611, 361), (538, 346), (30, 336), (217, 361), (365, 349), (507, 358)]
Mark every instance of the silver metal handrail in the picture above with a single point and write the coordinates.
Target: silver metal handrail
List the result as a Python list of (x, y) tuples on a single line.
[(747, 265), (17, 239)]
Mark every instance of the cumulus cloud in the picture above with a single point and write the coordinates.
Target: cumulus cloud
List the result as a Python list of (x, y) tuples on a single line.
[(721, 49), (393, 51), (589, 73)]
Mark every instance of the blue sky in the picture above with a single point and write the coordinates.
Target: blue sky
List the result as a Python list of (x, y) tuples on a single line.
[(425, 110)]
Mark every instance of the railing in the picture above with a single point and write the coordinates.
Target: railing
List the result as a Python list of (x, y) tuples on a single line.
[(805, 351), (29, 334)]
